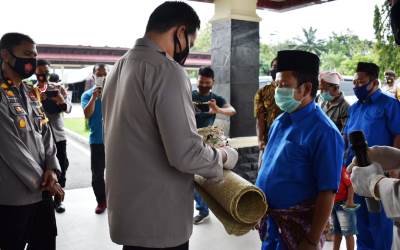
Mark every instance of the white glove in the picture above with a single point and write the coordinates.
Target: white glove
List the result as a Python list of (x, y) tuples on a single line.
[(364, 179), (231, 157), (387, 157)]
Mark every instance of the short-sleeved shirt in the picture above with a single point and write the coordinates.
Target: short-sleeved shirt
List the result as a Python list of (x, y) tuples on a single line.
[(303, 157), (264, 102), (378, 118), (203, 117), (96, 120)]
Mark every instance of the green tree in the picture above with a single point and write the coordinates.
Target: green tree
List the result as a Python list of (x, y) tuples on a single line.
[(387, 52), (344, 51), (203, 41), (268, 53), (310, 42)]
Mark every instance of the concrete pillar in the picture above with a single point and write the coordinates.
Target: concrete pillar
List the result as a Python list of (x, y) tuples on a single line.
[(235, 58)]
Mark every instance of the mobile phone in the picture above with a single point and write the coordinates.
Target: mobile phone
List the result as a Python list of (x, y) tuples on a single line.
[(51, 93), (203, 106)]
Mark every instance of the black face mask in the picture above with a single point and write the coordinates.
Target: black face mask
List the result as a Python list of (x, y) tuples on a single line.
[(272, 72), (395, 21), (181, 56), (204, 90), (42, 77), (24, 67)]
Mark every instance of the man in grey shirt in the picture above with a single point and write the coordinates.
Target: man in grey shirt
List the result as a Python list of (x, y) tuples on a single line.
[(28, 163), (151, 141), (55, 102)]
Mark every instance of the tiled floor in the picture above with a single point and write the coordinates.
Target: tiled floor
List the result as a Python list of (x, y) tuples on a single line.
[(79, 228)]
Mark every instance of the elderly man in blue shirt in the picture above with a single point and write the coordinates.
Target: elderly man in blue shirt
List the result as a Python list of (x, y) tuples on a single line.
[(378, 116), (301, 165)]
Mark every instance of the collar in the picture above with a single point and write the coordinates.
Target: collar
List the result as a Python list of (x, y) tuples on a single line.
[(337, 101), (146, 42), (303, 112), (375, 96)]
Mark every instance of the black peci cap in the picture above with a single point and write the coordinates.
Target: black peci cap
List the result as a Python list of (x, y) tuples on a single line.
[(297, 60), (370, 68)]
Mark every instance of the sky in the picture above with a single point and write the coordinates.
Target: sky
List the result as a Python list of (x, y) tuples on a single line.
[(118, 23)]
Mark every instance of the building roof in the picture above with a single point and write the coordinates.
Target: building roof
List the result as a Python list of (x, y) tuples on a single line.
[(88, 55), (280, 5)]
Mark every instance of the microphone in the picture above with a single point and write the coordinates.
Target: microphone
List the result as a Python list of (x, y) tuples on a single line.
[(359, 146)]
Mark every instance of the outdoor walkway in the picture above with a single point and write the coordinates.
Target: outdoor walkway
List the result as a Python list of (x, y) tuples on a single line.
[(81, 229)]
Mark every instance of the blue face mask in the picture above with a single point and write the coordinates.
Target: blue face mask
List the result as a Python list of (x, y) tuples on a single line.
[(362, 92), (284, 98), (326, 97)]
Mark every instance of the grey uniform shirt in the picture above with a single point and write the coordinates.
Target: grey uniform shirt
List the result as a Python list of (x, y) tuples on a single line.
[(27, 146), (389, 192), (56, 120), (152, 149)]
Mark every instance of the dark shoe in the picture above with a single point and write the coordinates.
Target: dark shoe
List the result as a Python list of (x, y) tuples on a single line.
[(101, 207), (59, 207), (200, 218)]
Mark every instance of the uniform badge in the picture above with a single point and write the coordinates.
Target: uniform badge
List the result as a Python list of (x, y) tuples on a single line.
[(19, 109), (10, 93), (4, 86), (22, 123)]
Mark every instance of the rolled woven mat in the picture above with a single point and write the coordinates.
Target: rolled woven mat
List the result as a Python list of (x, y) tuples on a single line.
[(237, 203)]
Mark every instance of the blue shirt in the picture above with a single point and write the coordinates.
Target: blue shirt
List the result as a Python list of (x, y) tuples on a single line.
[(303, 157), (378, 118), (96, 120), (203, 117)]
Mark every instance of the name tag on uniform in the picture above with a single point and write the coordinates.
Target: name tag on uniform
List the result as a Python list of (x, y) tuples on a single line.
[(20, 110)]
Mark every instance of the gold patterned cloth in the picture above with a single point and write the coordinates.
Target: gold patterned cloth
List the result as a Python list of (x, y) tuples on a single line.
[(264, 102)]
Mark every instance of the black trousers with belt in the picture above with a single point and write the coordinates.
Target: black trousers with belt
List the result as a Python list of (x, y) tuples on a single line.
[(184, 246), (33, 224), (97, 161)]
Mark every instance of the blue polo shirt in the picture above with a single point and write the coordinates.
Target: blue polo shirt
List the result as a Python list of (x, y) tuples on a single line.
[(303, 157), (96, 120), (378, 118)]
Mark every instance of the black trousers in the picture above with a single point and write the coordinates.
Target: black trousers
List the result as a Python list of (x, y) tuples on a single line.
[(63, 160), (184, 246), (33, 224), (97, 161)]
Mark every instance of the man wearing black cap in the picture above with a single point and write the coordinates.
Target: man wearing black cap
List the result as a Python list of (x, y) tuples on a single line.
[(378, 116), (302, 161)]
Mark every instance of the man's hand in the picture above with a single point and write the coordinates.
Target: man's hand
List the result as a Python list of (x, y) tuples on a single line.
[(387, 157), (229, 157), (364, 179), (350, 204), (59, 99), (214, 109), (49, 178), (50, 183), (97, 92)]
